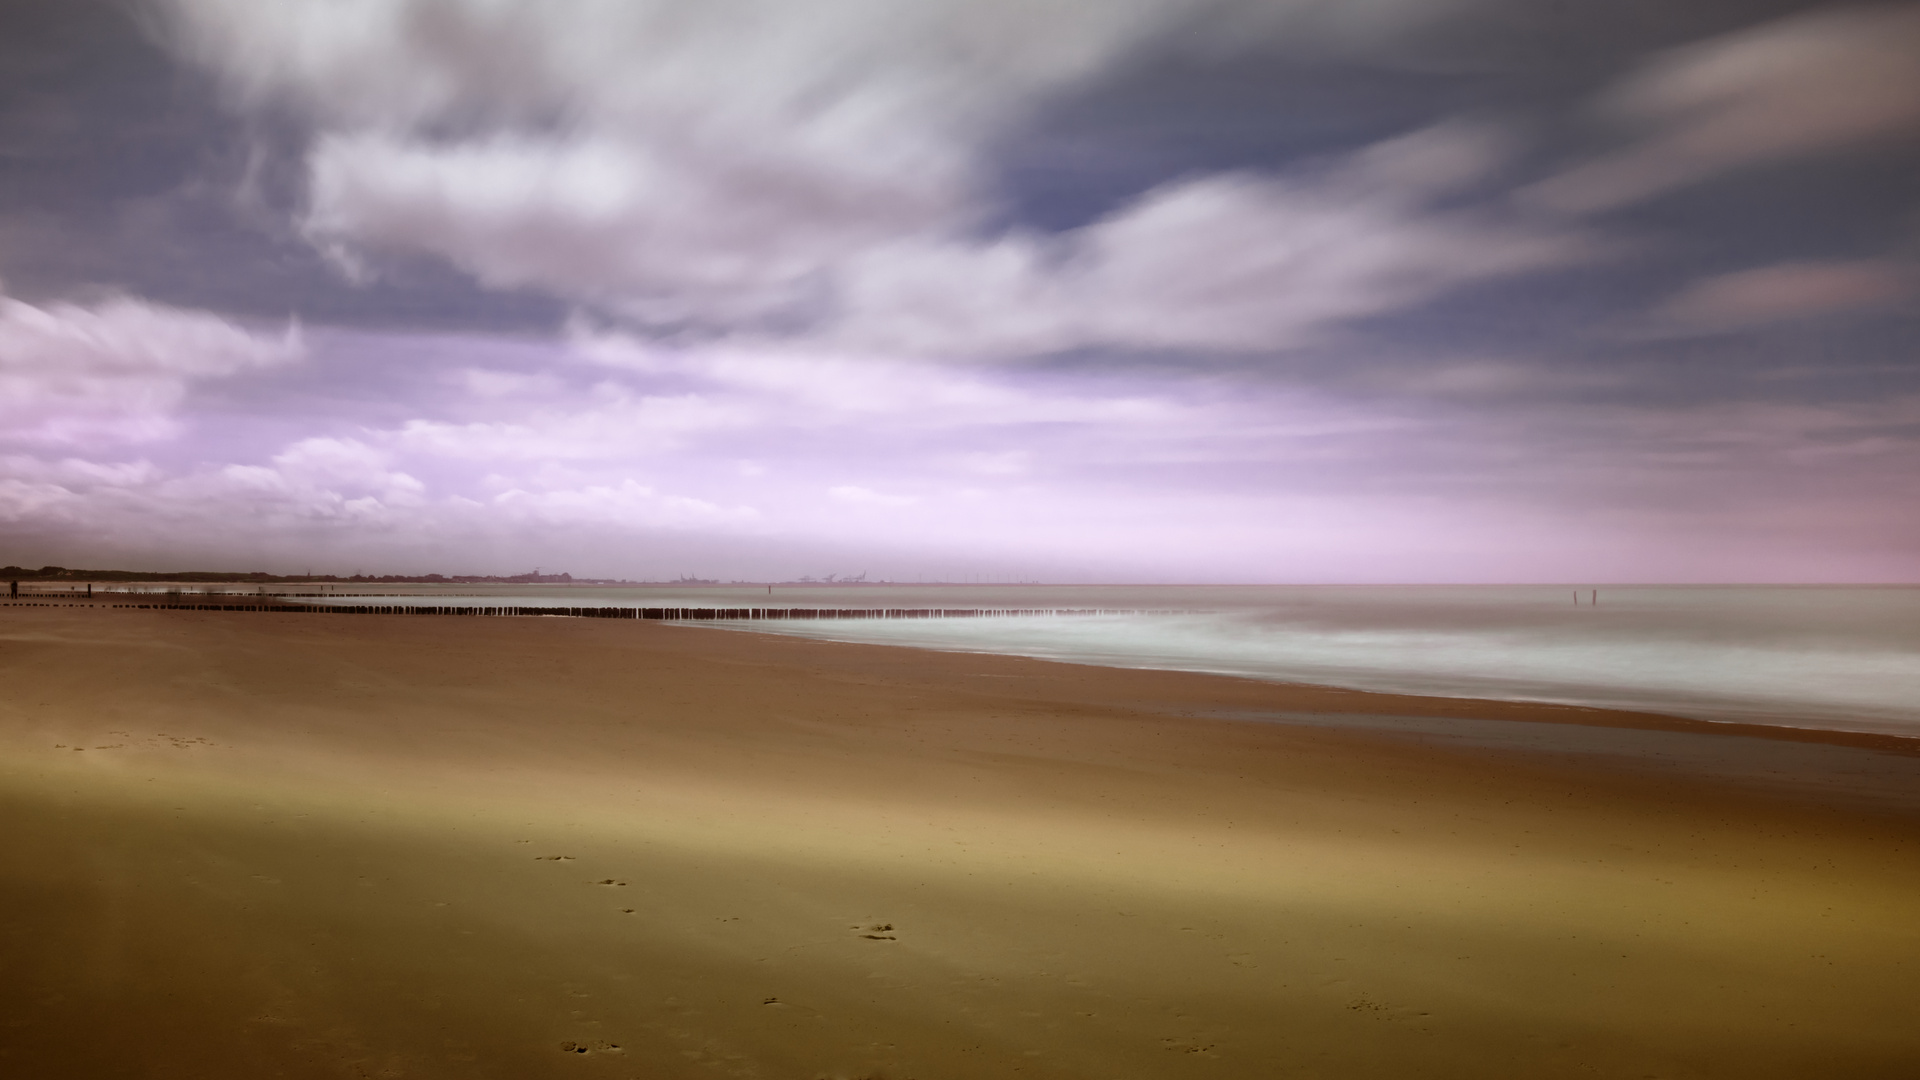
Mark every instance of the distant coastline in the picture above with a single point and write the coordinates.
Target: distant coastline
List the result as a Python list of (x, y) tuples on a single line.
[(61, 573), (258, 577)]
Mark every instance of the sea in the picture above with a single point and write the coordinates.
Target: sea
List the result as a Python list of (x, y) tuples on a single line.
[(1838, 657)]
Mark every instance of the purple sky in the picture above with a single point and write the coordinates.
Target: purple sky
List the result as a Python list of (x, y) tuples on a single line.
[(1187, 290)]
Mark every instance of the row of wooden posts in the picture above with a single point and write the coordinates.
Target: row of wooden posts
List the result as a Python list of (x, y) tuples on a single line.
[(662, 614)]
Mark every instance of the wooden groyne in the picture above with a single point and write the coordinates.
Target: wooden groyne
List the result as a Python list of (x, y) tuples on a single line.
[(654, 614)]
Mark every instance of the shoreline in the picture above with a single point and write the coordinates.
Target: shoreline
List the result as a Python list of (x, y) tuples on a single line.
[(1621, 716), (1732, 722)]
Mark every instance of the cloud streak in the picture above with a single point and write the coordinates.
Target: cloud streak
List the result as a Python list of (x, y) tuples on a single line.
[(1782, 292), (114, 372), (828, 177), (1231, 263), (1828, 78), (802, 463)]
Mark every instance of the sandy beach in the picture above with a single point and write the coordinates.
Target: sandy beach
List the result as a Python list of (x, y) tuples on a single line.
[(252, 845)]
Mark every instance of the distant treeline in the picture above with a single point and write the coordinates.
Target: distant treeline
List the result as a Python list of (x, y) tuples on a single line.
[(61, 573)]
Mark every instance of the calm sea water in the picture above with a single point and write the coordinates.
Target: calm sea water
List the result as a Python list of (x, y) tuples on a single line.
[(1839, 657)]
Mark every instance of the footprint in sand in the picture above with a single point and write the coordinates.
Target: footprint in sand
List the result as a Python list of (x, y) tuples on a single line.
[(877, 931), (1380, 1010), (183, 743)]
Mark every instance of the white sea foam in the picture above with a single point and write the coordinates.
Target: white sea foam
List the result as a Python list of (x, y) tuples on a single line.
[(1844, 657)]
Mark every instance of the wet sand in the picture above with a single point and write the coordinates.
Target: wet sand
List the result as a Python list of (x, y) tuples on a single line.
[(248, 845)]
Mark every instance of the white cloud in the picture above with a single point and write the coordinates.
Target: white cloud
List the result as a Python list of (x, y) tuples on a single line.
[(80, 473), (1828, 78), (833, 68), (802, 387), (41, 504), (817, 171), (595, 217), (615, 422), (115, 371), (315, 481), (674, 160), (346, 464), (627, 505), (1226, 262)]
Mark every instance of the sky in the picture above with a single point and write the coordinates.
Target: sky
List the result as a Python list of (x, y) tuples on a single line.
[(1064, 290)]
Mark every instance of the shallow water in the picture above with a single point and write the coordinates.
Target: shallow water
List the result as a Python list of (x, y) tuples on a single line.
[(1842, 657), (1848, 775)]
